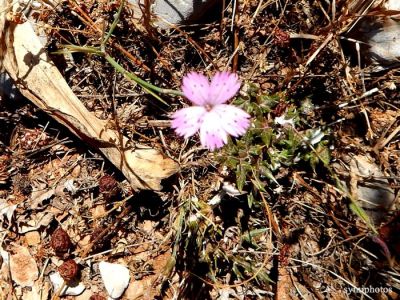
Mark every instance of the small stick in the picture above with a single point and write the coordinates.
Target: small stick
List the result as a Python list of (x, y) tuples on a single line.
[(366, 94), (314, 55), (382, 144)]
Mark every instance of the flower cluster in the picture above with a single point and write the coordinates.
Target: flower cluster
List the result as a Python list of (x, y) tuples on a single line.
[(210, 114)]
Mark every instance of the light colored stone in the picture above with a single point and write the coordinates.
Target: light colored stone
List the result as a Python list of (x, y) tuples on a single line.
[(115, 278), (177, 11), (373, 191)]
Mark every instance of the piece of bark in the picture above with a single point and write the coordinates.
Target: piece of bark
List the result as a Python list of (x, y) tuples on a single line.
[(25, 60)]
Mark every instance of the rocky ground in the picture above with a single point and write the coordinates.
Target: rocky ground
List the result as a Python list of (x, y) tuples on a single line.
[(304, 206)]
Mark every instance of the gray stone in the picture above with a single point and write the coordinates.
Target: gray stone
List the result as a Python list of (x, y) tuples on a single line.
[(378, 38), (382, 37), (177, 11), (373, 190)]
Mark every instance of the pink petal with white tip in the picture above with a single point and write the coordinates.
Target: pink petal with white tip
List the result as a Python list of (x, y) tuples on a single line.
[(196, 88), (224, 86), (212, 134), (236, 121), (187, 121)]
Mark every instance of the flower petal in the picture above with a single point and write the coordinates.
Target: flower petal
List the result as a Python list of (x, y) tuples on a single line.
[(223, 87), (187, 121), (235, 120), (212, 134), (196, 88)]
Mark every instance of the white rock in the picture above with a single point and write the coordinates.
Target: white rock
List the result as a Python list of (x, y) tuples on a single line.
[(115, 277), (57, 282)]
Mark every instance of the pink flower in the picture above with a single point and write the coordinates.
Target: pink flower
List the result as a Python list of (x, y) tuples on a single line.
[(209, 113)]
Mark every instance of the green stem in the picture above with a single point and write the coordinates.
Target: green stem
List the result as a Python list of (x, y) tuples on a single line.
[(148, 87), (113, 25), (79, 49), (140, 81)]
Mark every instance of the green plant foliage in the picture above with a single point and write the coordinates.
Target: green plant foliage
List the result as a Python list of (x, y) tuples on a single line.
[(259, 161), (270, 147)]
